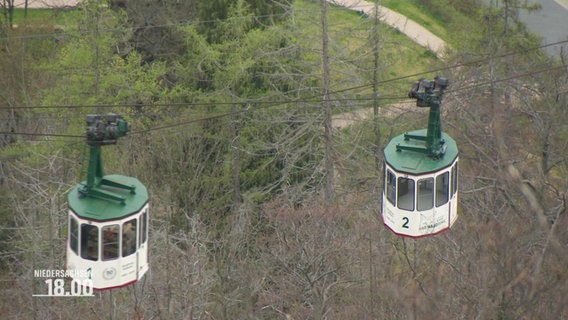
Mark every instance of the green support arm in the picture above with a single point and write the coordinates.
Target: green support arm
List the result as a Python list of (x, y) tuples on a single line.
[(101, 131), (428, 93)]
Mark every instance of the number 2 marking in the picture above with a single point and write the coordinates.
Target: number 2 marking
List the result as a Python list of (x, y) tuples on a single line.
[(405, 224)]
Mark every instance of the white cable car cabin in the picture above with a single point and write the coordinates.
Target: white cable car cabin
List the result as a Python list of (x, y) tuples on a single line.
[(108, 218), (420, 196)]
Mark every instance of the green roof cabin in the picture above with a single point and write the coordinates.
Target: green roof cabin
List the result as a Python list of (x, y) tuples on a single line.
[(421, 172), (107, 246)]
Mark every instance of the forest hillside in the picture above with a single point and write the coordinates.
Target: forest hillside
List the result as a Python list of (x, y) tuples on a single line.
[(260, 207)]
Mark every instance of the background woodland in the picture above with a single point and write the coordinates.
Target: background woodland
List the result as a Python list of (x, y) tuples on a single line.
[(261, 207)]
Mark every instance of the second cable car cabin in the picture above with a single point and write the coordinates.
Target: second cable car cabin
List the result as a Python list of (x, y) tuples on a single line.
[(108, 217), (420, 196)]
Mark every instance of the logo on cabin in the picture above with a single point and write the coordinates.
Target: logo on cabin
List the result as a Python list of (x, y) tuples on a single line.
[(109, 273)]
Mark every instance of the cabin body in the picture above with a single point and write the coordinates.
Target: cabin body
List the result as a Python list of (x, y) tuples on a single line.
[(108, 240), (420, 196)]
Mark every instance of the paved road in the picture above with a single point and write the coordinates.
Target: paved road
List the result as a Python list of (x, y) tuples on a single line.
[(36, 4), (551, 23), (563, 3), (411, 29)]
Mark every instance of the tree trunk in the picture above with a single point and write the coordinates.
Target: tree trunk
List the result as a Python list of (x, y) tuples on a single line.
[(328, 133)]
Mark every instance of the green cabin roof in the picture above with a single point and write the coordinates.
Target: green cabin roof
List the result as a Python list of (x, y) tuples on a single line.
[(103, 210), (416, 163)]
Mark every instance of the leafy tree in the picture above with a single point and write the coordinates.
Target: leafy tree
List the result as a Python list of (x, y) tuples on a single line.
[(156, 28), (259, 13)]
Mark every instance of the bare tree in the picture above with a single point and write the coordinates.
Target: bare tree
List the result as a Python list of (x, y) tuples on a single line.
[(326, 105)]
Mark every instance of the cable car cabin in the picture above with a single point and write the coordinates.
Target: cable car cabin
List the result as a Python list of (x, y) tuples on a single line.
[(420, 194), (108, 240), (108, 217)]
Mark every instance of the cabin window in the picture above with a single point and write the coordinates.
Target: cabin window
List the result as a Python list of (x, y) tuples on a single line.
[(73, 235), (390, 187), (454, 179), (405, 194), (110, 242), (442, 186), (143, 226), (128, 237), (425, 194), (89, 242)]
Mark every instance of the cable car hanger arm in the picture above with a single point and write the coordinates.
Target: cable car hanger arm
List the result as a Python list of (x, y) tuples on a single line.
[(428, 93)]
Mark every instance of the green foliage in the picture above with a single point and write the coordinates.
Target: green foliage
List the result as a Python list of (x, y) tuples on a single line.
[(35, 17), (224, 19), (155, 28), (128, 81), (243, 55), (84, 57), (197, 66)]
